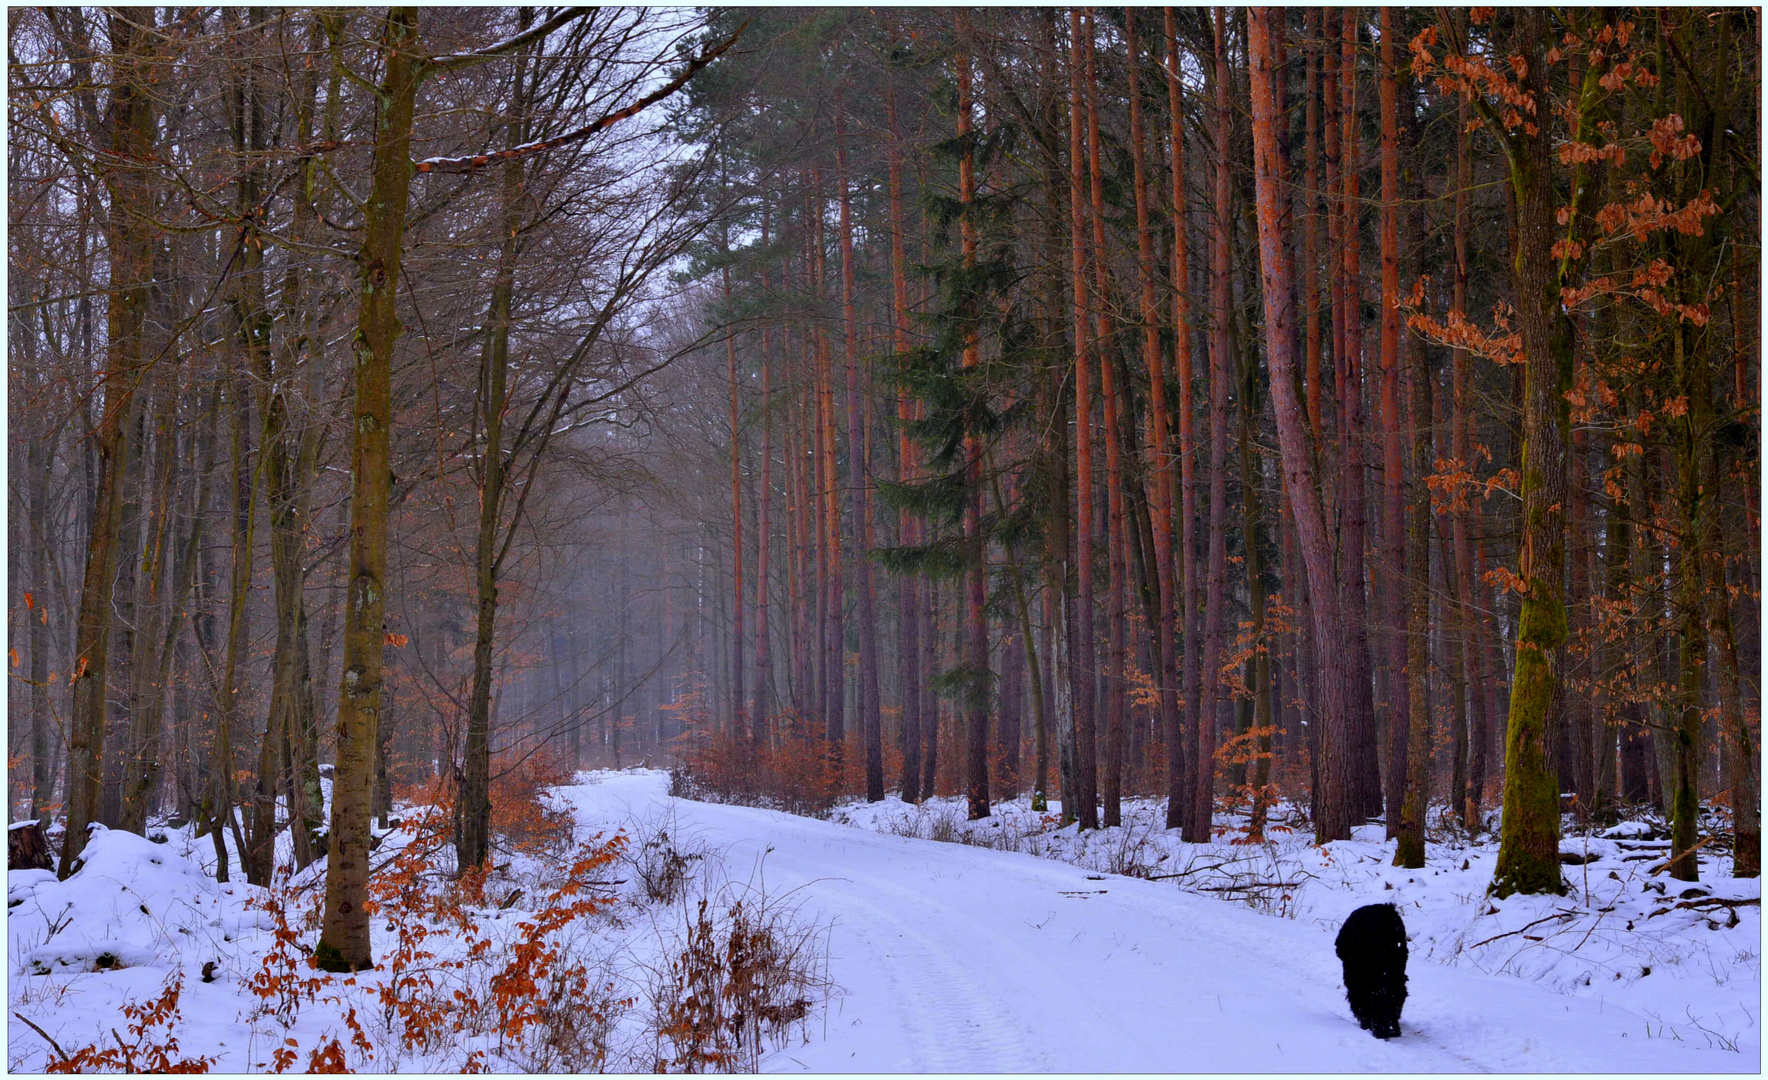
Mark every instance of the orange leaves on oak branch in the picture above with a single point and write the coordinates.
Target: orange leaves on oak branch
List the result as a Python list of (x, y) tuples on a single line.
[(1474, 77), (1642, 216), (1450, 484), (1617, 77), (1667, 140), (1589, 398), (284, 978), (1645, 286), (533, 979), (537, 978), (1501, 346), (327, 1058), (1502, 577), (1573, 152), (443, 974), (520, 814)]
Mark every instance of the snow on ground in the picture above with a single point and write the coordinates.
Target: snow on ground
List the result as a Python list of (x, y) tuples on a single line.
[(139, 915), (961, 958), (1681, 960)]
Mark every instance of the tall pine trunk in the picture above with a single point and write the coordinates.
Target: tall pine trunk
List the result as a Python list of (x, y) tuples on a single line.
[(1337, 812), (737, 725), (870, 718), (1392, 585), (1160, 490), (1220, 376), (909, 673), (1103, 334), (1082, 661), (976, 710), (1180, 764), (762, 704), (1366, 774)]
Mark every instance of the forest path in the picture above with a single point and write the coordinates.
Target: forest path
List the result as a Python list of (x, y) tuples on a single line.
[(962, 959)]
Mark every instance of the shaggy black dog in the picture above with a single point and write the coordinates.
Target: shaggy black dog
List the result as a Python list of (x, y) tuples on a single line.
[(1372, 944)]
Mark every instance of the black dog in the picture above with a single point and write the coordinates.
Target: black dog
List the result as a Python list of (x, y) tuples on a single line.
[(1372, 944)]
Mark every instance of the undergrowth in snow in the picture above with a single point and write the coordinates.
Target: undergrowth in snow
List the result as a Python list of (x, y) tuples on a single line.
[(1686, 954), (625, 949)]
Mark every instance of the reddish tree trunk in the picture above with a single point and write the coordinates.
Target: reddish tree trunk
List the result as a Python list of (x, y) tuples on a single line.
[(833, 646), (1220, 378), (1160, 488), (870, 718), (1366, 766), (1311, 228), (1082, 664), (908, 588), (1393, 528), (976, 585), (1114, 513), (762, 706), (1181, 780), (736, 658), (1471, 623), (1335, 816)]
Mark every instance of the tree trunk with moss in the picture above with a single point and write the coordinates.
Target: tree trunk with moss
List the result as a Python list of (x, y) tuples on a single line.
[(1528, 853), (344, 943), (1694, 501)]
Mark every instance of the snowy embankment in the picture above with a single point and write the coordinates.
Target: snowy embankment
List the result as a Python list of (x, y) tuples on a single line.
[(616, 946), (947, 957)]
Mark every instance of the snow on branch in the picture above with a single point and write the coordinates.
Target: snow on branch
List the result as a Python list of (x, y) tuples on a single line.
[(516, 153), (509, 44)]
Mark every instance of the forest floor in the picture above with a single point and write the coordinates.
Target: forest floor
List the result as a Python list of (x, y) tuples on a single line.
[(924, 956)]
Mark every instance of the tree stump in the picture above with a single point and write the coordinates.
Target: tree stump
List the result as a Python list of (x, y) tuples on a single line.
[(26, 847)]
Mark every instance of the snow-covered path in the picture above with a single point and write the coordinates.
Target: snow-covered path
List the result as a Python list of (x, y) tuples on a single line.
[(962, 959)]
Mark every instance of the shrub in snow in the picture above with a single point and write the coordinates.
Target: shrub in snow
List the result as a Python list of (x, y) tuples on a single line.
[(743, 973)]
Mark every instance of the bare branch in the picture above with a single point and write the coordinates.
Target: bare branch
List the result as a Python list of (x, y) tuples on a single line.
[(456, 61), (516, 153)]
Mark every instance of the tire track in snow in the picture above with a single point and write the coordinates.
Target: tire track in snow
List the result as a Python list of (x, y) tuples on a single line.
[(980, 994), (944, 1014)]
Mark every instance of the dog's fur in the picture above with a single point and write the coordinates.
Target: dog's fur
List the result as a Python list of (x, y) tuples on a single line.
[(1372, 945)]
